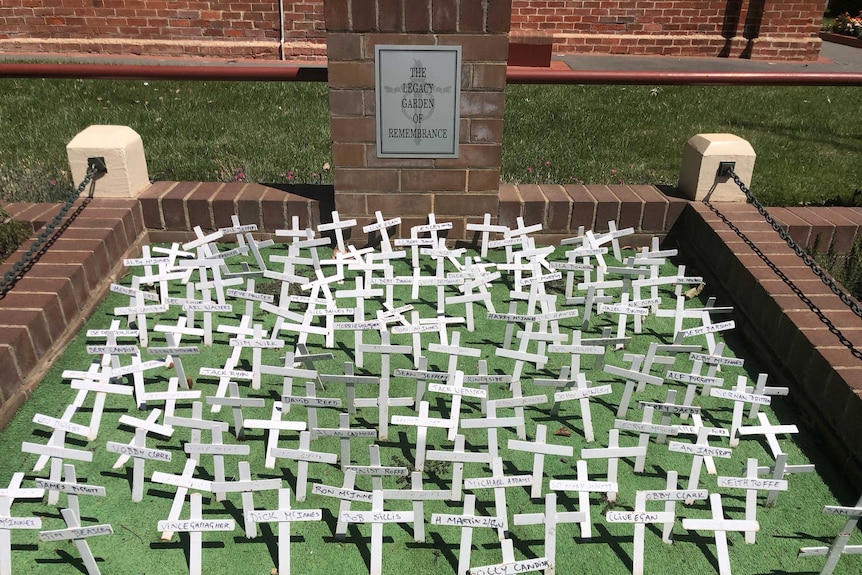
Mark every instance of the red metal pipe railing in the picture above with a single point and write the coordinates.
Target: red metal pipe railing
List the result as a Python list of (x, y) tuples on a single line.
[(215, 72), (272, 73), (651, 78)]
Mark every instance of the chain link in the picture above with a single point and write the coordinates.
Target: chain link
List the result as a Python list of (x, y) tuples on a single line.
[(11, 277), (806, 259)]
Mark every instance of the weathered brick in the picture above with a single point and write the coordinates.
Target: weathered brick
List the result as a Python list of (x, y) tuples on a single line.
[(483, 180), (559, 210), (534, 204), (392, 205), (510, 206), (352, 129), (343, 47), (390, 15), (465, 204), (474, 156), (336, 13), (444, 15), (631, 207), (584, 207), (433, 180), (417, 16), (198, 205), (364, 180), (351, 75), (363, 15), (471, 17), (486, 130), (346, 103), (607, 208)]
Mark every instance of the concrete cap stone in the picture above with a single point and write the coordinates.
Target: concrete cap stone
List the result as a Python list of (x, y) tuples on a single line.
[(123, 151), (701, 155)]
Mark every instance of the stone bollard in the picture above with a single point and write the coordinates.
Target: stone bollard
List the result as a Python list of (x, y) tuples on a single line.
[(698, 177), (123, 151)]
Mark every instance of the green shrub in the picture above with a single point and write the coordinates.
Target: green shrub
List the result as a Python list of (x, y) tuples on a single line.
[(846, 268), (848, 25)]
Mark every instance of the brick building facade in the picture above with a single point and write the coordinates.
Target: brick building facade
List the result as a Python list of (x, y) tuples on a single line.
[(758, 29)]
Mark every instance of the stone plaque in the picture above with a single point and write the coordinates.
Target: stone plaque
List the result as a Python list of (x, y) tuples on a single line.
[(418, 101)]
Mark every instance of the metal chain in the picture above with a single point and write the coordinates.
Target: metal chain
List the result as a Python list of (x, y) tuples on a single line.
[(11, 277), (801, 253)]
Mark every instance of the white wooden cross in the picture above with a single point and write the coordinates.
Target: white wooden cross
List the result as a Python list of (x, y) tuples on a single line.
[(839, 545), (485, 229), (350, 380), (346, 493), (71, 488), (631, 376), (173, 338), (383, 401), (303, 455), (466, 521), (458, 457), (311, 402), (645, 428), (613, 452), (8, 496), (584, 487), (56, 453), (422, 422), (101, 388), (720, 526), (345, 433), (360, 294), (377, 517), (140, 311), (670, 495), (491, 423), (195, 525), (639, 517), (418, 496), (518, 402), (509, 565), (751, 483), (284, 515), (288, 372), (183, 483), (539, 449), (139, 450), (699, 451), (740, 397), (79, 535), (246, 486), (582, 392), (112, 334), (778, 471), (382, 226), (236, 403), (550, 519), (499, 482)]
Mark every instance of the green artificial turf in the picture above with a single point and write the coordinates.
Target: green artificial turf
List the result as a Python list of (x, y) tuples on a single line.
[(135, 548)]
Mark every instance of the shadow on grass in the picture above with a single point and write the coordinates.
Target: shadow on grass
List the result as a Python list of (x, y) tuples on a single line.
[(64, 558)]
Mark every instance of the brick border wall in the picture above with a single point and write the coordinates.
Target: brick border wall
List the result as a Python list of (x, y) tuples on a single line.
[(48, 306), (795, 347), (780, 30)]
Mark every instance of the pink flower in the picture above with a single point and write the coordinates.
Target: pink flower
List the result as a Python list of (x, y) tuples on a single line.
[(529, 169), (53, 182), (613, 172), (289, 176)]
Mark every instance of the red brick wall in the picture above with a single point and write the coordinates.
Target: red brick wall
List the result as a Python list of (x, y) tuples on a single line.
[(458, 190), (733, 28)]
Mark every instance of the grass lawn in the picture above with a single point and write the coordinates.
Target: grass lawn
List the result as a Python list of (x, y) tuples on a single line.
[(135, 548), (808, 140)]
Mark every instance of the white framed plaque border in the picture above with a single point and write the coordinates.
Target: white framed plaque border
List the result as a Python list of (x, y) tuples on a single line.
[(411, 81)]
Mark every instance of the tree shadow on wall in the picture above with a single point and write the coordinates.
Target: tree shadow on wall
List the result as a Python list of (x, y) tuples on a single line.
[(750, 29)]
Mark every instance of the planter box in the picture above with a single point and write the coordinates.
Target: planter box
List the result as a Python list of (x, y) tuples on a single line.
[(841, 39)]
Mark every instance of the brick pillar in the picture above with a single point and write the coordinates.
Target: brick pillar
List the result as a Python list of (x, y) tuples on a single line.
[(458, 189)]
